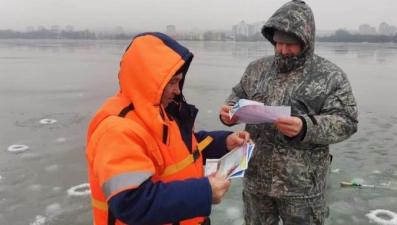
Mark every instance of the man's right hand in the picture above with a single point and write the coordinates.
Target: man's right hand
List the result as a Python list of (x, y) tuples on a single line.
[(219, 186), (224, 113)]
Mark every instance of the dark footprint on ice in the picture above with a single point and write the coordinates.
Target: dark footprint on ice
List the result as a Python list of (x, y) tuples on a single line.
[(52, 121), (374, 132), (362, 139), (385, 126)]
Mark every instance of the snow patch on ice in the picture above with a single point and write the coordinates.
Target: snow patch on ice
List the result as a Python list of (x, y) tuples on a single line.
[(373, 216), (61, 140), (80, 190), (17, 148), (40, 220), (48, 121), (54, 210)]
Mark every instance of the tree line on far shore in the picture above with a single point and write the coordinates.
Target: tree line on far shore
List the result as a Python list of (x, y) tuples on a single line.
[(345, 36), (339, 36)]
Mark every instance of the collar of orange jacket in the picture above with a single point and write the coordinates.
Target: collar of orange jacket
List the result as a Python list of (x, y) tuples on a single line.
[(148, 65)]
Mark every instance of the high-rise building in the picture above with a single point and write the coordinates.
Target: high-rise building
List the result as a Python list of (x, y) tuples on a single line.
[(69, 28), (392, 30), (257, 27), (171, 30), (241, 29), (383, 29), (366, 29), (55, 29), (244, 29)]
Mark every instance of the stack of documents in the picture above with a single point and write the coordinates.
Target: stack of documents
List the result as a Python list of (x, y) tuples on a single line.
[(233, 164)]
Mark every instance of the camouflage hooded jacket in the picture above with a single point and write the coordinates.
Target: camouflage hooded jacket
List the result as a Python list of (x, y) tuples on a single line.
[(317, 90)]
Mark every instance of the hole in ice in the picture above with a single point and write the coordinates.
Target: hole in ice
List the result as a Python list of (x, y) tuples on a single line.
[(17, 148), (48, 121), (383, 216), (80, 190)]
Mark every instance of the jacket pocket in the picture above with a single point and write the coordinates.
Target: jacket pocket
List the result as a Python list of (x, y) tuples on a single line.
[(301, 106), (296, 170)]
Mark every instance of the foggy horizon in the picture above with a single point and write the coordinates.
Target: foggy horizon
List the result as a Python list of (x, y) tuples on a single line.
[(184, 15)]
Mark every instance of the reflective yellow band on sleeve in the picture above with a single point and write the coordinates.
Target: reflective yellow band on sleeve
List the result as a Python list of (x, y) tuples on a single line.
[(189, 159), (100, 205)]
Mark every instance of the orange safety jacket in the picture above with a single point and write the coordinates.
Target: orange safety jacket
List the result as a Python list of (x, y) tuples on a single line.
[(132, 139)]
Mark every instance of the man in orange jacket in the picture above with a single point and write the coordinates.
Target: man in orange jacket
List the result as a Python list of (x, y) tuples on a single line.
[(145, 162)]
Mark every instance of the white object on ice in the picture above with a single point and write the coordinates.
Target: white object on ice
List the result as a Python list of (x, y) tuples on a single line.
[(48, 121), (61, 139), (40, 220), (51, 168), (17, 148), (57, 188), (373, 215), (80, 190), (34, 187)]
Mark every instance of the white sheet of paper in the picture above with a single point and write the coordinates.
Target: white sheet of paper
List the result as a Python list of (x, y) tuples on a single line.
[(253, 112)]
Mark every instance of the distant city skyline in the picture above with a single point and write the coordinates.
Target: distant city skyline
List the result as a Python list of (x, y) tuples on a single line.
[(184, 15), (119, 28), (364, 28)]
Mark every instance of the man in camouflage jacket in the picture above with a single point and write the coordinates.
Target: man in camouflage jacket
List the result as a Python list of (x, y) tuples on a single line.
[(286, 176)]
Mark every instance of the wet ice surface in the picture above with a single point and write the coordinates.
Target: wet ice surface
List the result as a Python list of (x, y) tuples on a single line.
[(66, 81)]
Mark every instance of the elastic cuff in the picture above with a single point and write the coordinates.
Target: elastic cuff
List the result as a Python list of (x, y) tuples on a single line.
[(220, 118), (209, 189), (309, 127), (302, 134)]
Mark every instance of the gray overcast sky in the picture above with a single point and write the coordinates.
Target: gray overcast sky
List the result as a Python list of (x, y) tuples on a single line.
[(185, 14)]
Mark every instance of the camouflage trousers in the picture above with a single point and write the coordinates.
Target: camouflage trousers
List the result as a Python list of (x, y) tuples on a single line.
[(265, 210)]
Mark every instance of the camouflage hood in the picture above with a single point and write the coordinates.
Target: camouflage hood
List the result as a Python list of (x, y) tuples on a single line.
[(294, 17)]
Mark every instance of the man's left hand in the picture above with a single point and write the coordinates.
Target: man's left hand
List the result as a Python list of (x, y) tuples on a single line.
[(237, 139), (289, 126)]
